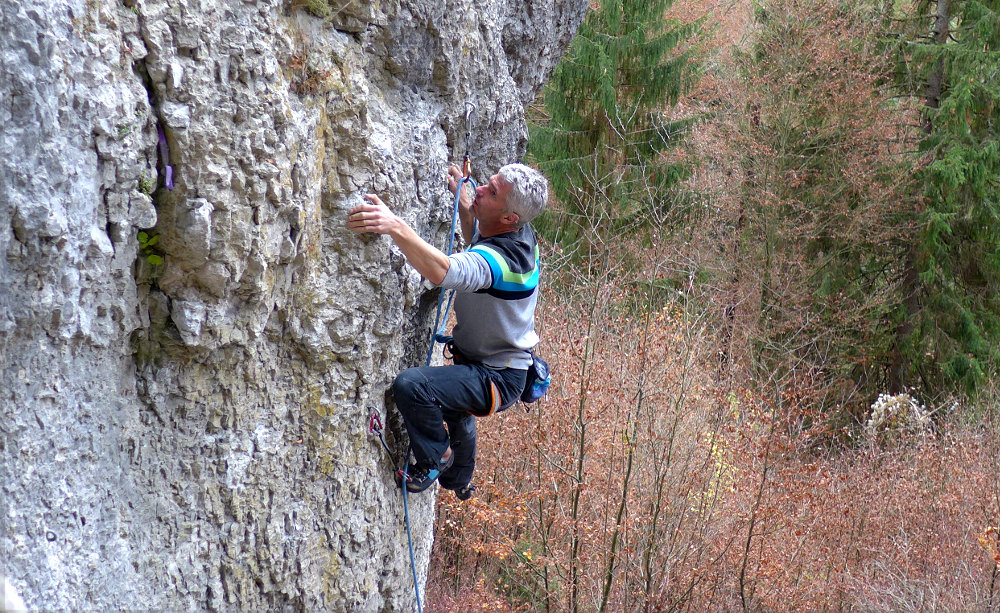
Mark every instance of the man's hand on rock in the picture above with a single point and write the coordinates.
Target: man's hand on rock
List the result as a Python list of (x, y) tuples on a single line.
[(374, 217)]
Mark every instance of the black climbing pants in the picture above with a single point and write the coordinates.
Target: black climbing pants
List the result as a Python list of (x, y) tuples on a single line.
[(430, 396)]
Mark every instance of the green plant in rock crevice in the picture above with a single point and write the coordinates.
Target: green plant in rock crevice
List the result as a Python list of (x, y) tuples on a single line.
[(145, 184), (147, 247)]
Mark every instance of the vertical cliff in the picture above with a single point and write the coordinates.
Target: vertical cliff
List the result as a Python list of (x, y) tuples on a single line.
[(191, 339)]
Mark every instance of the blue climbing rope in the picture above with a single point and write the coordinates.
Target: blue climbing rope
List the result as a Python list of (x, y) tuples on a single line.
[(440, 323), (409, 541), (437, 336)]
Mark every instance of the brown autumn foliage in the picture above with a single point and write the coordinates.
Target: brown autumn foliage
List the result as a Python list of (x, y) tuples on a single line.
[(810, 219), (683, 460), (726, 504)]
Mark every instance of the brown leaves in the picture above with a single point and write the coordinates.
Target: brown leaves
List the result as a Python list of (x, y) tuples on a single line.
[(990, 541), (738, 496), (712, 471)]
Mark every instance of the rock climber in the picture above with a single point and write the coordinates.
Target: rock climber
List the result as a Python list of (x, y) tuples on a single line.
[(496, 283)]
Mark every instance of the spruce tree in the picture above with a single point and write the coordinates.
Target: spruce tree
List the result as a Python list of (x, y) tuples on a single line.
[(602, 131), (950, 326), (822, 225)]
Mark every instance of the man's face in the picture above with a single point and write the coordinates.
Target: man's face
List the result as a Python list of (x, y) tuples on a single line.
[(490, 202)]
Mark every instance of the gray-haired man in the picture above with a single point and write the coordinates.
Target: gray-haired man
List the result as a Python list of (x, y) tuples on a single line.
[(496, 283)]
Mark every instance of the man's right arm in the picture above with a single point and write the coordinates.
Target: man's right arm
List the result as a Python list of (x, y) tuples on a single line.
[(376, 217)]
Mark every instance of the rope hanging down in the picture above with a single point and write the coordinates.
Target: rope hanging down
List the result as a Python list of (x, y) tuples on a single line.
[(375, 427), (437, 336), (441, 323)]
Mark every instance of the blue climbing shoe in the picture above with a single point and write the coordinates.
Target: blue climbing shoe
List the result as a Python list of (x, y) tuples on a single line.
[(419, 479)]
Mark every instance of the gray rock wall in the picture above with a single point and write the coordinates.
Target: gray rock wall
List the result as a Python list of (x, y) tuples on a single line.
[(188, 365)]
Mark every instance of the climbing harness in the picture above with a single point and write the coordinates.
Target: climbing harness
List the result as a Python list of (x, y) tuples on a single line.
[(437, 336)]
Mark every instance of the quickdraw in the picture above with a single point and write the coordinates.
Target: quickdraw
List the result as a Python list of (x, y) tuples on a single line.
[(467, 163), (376, 428)]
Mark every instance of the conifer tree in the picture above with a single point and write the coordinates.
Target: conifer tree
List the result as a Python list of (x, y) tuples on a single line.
[(602, 131), (950, 326), (822, 221)]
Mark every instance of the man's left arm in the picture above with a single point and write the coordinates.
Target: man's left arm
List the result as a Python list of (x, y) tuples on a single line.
[(376, 217), (466, 218)]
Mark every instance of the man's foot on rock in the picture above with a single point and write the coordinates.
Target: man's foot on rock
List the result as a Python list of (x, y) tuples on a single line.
[(419, 479)]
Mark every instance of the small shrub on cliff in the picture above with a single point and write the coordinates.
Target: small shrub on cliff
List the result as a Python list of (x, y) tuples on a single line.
[(896, 417), (316, 8)]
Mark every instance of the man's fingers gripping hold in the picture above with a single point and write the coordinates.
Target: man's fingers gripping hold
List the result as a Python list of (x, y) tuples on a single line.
[(375, 217)]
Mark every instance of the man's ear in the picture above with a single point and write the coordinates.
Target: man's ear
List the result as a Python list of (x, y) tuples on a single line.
[(510, 218)]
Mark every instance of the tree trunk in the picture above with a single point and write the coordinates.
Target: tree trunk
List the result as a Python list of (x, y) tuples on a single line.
[(911, 276)]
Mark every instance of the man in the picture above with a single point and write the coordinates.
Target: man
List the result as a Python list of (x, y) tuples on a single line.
[(496, 283)]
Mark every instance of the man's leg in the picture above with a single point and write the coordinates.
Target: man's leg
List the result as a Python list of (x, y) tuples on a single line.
[(427, 396), (462, 430)]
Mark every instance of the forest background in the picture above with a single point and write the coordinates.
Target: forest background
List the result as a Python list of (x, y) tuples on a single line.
[(772, 274)]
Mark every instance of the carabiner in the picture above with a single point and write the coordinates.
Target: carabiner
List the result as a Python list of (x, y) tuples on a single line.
[(470, 108), (375, 424)]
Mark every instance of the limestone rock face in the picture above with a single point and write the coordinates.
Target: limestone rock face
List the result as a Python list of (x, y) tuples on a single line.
[(192, 341)]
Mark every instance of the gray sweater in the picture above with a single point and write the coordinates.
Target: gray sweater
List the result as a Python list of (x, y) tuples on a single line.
[(496, 283)]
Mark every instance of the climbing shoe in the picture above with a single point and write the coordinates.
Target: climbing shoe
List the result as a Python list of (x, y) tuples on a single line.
[(419, 479), (464, 493)]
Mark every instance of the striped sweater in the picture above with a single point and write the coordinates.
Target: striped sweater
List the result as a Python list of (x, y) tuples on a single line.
[(496, 283)]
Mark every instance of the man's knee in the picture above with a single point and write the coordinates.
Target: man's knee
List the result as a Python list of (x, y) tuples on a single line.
[(408, 388)]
